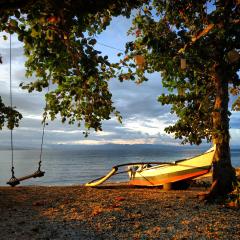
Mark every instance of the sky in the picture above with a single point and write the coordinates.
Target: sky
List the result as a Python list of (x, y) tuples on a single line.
[(144, 119)]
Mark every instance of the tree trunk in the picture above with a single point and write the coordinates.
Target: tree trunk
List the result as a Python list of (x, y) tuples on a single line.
[(223, 172)]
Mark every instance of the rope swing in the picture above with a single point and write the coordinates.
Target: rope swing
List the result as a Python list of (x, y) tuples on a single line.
[(13, 181)]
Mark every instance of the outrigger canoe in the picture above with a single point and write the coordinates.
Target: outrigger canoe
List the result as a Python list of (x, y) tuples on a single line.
[(161, 173)]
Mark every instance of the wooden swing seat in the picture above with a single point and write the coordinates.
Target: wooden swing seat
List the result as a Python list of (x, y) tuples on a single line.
[(15, 181)]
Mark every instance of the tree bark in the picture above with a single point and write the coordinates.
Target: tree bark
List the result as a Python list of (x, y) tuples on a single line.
[(223, 173)]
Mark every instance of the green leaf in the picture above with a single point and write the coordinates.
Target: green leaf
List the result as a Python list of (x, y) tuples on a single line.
[(92, 42)]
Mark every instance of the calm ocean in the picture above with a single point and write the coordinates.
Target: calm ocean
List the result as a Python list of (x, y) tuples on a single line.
[(70, 166)]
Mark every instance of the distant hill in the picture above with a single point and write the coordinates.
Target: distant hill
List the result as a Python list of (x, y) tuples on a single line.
[(106, 147), (128, 147)]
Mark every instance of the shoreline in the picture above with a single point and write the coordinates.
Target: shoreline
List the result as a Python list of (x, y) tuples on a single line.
[(204, 178), (112, 211)]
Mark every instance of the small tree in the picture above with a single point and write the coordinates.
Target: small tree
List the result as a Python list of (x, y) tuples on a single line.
[(195, 45)]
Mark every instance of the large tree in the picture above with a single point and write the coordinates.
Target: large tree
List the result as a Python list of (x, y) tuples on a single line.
[(59, 41), (195, 46)]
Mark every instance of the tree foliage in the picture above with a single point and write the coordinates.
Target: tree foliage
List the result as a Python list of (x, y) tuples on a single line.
[(59, 42), (8, 115), (196, 47), (206, 35)]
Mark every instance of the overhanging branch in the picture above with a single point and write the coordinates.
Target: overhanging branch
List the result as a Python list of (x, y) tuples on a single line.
[(73, 6)]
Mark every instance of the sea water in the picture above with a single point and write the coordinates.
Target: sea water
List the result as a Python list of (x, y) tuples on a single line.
[(73, 166)]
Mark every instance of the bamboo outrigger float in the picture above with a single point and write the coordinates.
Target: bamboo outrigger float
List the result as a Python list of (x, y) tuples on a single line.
[(114, 171), (160, 173)]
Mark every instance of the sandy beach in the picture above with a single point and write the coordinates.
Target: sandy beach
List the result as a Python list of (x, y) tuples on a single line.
[(113, 212)]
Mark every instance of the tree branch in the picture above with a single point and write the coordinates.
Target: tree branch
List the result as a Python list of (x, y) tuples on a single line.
[(73, 6)]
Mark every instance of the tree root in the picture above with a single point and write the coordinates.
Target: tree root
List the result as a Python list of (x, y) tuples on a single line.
[(211, 194)]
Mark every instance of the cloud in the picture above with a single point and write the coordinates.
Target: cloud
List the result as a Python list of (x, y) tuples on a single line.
[(235, 136), (17, 55), (136, 100), (235, 128), (144, 119), (147, 126), (27, 104), (235, 120)]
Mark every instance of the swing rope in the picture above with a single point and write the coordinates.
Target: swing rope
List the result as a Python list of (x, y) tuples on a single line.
[(41, 148), (39, 172), (43, 133), (11, 104)]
